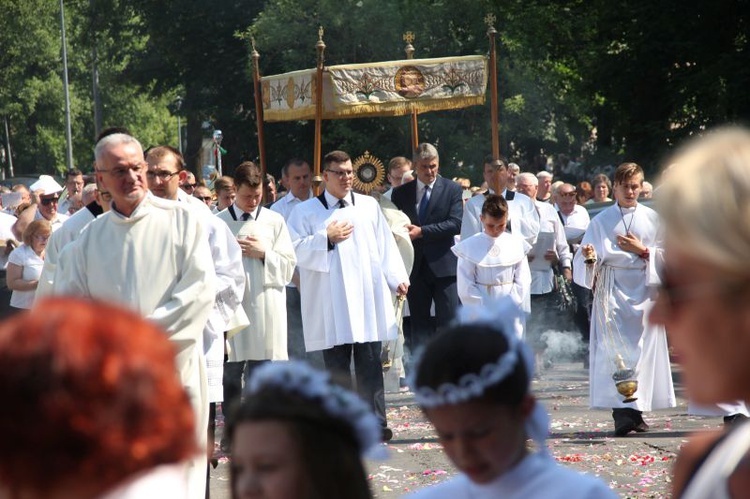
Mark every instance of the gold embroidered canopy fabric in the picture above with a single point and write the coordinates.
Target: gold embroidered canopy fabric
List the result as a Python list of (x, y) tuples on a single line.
[(391, 88)]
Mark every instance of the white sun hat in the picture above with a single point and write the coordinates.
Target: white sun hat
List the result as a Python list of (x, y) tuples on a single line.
[(47, 185)]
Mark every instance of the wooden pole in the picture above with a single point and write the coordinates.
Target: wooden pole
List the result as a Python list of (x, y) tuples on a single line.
[(259, 114), (320, 47), (491, 32), (409, 49)]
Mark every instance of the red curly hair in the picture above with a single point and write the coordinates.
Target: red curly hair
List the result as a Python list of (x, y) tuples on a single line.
[(91, 394)]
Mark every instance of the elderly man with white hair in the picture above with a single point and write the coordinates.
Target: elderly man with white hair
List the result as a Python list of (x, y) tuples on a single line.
[(151, 255)]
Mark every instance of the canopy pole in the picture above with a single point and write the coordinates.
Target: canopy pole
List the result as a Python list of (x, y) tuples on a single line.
[(409, 49), (489, 19), (320, 47), (259, 114)]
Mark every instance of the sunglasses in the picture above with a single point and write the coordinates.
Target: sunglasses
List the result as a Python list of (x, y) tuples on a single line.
[(49, 201), (205, 198)]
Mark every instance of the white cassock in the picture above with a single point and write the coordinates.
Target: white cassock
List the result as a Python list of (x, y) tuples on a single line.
[(346, 292), (264, 301), (536, 476), (490, 267), (226, 314), (156, 262), (67, 233), (623, 297), (523, 218)]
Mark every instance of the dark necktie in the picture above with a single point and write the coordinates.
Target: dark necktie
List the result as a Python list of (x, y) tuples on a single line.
[(423, 204), (341, 204), (245, 217)]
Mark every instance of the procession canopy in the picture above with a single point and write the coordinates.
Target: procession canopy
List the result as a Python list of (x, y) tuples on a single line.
[(392, 88)]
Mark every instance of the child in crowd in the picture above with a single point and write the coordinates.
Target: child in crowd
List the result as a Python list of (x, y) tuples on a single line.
[(493, 263), (297, 435), (472, 383)]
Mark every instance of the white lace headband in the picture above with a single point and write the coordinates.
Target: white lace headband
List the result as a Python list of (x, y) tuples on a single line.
[(503, 316), (298, 377)]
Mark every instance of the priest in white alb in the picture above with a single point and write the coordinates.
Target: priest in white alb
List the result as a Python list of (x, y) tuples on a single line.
[(152, 256), (349, 267)]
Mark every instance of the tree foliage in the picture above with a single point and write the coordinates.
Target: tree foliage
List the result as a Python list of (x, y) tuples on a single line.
[(594, 80)]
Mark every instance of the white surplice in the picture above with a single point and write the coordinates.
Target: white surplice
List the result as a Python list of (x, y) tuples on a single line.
[(489, 267), (623, 296), (264, 302), (536, 476), (156, 262), (346, 291), (523, 218), (226, 256)]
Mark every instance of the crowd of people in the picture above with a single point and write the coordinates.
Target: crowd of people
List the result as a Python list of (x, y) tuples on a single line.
[(281, 304)]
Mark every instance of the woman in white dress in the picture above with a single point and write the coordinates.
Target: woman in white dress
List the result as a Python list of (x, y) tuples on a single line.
[(472, 383), (25, 264), (703, 301)]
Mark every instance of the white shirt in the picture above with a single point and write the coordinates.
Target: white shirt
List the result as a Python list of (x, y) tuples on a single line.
[(575, 223), (286, 204), (31, 265), (56, 222), (6, 232)]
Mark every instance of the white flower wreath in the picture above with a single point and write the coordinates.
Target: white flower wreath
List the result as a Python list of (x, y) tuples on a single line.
[(298, 377), (504, 316)]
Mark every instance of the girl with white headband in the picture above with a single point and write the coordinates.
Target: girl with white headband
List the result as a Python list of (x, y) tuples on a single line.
[(472, 382)]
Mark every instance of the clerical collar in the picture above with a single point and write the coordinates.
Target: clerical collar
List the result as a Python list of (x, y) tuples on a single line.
[(237, 213), (332, 201)]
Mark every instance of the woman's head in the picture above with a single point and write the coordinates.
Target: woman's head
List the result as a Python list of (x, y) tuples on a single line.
[(95, 398), (706, 275), (296, 435), (602, 187), (472, 382), (37, 233)]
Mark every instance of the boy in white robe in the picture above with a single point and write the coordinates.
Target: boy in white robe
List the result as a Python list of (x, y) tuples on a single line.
[(268, 259), (617, 260), (493, 263)]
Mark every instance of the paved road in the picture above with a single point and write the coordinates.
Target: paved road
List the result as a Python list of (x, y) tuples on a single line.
[(635, 466)]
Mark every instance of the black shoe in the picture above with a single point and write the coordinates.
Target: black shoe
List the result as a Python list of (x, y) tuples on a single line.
[(387, 434), (627, 420), (734, 419)]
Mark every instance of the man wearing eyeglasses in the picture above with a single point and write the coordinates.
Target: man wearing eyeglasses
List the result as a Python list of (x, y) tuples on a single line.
[(48, 191), (349, 265), (189, 184), (523, 218), (152, 256)]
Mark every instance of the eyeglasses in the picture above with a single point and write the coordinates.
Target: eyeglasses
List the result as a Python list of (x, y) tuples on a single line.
[(49, 201), (163, 175), (341, 174), (189, 186), (676, 294), (568, 194), (205, 198), (120, 173)]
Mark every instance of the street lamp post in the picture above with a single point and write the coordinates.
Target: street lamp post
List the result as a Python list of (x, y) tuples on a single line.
[(66, 89), (178, 107)]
